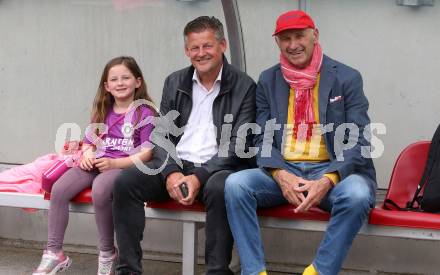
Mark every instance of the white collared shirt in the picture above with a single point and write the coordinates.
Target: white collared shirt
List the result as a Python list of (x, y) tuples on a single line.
[(198, 143)]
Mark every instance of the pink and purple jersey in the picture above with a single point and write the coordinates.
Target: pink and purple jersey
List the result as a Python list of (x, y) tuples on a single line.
[(124, 136)]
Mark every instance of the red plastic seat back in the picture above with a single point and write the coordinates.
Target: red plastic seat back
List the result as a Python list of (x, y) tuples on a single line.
[(407, 172)]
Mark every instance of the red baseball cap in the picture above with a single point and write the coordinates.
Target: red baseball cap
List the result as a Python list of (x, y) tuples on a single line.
[(294, 19)]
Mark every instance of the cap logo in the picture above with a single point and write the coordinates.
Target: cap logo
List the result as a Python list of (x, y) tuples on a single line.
[(290, 16)]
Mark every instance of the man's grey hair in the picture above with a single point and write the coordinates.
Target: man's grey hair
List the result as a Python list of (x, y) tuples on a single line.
[(203, 23)]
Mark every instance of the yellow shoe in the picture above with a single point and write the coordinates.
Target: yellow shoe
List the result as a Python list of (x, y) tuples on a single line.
[(310, 270), (262, 273)]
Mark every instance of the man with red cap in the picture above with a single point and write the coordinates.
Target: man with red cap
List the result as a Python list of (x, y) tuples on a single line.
[(317, 111)]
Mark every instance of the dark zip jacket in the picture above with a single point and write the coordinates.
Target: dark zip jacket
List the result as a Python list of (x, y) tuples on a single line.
[(236, 98)]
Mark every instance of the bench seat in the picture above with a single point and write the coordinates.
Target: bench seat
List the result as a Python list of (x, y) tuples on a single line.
[(382, 221), (282, 211), (410, 219)]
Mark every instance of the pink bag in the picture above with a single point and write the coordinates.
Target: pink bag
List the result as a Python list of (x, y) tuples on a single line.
[(71, 157), (60, 166)]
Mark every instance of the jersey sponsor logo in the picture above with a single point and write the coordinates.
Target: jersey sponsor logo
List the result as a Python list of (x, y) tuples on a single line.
[(127, 129)]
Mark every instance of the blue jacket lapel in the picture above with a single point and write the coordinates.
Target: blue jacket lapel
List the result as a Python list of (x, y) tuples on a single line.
[(327, 78), (282, 97)]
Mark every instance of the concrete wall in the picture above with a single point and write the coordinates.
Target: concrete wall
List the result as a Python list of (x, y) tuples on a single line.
[(394, 47), (396, 50), (52, 54)]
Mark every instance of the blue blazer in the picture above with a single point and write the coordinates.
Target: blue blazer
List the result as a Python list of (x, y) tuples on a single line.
[(341, 100)]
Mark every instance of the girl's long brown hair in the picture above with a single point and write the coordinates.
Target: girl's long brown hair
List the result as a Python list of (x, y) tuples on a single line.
[(104, 101)]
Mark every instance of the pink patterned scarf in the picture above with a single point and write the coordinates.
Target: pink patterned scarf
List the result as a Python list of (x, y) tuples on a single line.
[(302, 81)]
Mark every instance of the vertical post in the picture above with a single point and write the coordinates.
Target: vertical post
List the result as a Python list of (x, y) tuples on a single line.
[(189, 248), (235, 34), (303, 5)]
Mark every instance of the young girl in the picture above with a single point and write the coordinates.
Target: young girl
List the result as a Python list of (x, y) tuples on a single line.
[(121, 83)]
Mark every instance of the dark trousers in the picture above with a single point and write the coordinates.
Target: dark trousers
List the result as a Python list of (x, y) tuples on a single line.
[(133, 188)]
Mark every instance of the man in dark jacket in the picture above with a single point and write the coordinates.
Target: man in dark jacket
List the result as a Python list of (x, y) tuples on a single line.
[(213, 100), (318, 154)]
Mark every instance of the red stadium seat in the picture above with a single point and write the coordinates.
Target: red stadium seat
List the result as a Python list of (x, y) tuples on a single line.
[(286, 212), (173, 205), (406, 175), (84, 196)]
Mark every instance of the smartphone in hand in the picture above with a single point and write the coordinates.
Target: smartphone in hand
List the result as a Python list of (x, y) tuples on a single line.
[(184, 189)]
